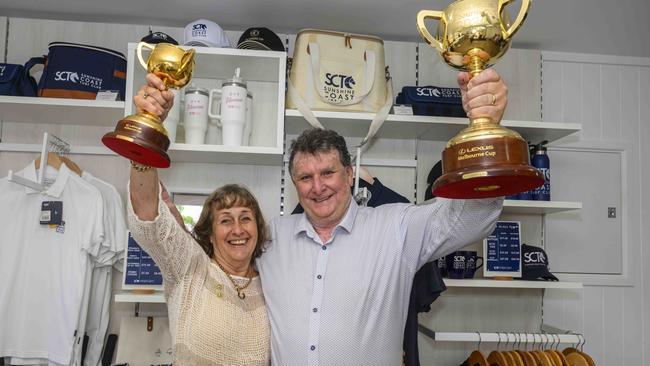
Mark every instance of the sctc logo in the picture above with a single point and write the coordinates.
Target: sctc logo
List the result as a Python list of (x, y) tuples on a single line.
[(339, 81), (427, 92), (534, 257), (66, 76), (199, 26)]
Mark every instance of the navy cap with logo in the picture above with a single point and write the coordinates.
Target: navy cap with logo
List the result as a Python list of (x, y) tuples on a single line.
[(158, 37), (260, 38), (535, 264)]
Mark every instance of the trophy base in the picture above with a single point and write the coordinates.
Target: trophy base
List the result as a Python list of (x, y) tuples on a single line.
[(496, 181), (486, 161), (140, 138)]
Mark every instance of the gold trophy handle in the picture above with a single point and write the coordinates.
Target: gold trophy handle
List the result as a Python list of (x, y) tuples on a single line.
[(139, 52), (187, 59), (424, 32), (523, 12)]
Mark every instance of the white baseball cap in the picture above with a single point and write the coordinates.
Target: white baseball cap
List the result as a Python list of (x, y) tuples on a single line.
[(205, 33)]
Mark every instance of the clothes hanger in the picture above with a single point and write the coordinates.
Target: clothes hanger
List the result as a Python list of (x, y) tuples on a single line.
[(53, 160), (590, 361), (518, 361), (542, 358), (551, 355), (477, 358), (560, 355), (72, 165), (496, 357), (528, 359)]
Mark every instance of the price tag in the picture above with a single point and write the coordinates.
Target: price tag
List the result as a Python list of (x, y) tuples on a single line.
[(403, 109), (111, 95)]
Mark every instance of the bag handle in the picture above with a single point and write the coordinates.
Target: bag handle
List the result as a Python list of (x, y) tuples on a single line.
[(33, 62), (376, 123), (314, 52)]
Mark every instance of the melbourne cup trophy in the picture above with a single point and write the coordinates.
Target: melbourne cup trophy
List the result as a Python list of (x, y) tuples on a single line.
[(142, 137), (484, 159)]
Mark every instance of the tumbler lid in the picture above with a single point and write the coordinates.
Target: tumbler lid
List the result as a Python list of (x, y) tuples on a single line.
[(195, 89)]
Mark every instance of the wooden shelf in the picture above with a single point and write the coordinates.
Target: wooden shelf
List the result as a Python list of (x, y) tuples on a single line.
[(128, 296), (477, 283), (538, 207), (422, 127), (60, 111)]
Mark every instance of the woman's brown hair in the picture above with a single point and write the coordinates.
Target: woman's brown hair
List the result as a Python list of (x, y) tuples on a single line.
[(230, 195)]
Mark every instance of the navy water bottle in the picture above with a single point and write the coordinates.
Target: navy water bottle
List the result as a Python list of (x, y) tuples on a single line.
[(541, 161), (528, 195)]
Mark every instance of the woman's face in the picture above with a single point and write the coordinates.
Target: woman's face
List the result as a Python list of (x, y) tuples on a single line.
[(234, 235)]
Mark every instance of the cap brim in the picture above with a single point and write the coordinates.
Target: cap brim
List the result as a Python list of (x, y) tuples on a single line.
[(253, 45), (539, 275)]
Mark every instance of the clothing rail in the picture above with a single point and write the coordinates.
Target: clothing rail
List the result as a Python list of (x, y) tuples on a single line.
[(51, 143), (502, 337)]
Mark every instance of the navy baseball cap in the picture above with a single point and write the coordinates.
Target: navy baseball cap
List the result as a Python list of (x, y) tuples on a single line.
[(260, 38), (158, 37), (534, 266)]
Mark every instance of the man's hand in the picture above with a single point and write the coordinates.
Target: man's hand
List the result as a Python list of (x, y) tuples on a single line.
[(486, 95), (154, 97)]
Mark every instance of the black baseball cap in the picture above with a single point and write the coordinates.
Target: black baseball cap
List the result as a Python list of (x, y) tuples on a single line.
[(158, 37), (534, 264), (260, 38)]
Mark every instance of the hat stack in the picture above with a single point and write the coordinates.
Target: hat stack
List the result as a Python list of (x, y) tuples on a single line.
[(205, 33)]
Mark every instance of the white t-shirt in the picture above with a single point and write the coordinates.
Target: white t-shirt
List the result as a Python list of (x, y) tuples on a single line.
[(43, 270)]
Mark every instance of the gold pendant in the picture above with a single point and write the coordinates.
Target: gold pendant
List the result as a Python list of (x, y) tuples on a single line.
[(241, 295), (219, 288)]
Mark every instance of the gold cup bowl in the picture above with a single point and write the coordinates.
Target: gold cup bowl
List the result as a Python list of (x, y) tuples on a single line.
[(484, 159), (141, 137)]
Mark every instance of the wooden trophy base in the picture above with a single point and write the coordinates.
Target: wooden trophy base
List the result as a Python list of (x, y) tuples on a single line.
[(487, 166), (141, 138)]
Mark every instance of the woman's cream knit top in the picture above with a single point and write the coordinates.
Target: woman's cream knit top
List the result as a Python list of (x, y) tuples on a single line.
[(209, 324)]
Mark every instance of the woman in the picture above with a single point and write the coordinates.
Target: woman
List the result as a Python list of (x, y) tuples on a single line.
[(217, 313)]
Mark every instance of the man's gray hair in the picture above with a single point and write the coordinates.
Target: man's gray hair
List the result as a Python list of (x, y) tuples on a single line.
[(316, 140)]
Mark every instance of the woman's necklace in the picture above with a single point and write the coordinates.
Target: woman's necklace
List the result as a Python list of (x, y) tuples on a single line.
[(239, 288)]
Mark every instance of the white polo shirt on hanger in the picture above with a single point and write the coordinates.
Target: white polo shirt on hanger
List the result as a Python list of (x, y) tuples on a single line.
[(43, 270)]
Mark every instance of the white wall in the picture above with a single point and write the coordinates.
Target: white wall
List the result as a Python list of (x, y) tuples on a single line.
[(610, 97)]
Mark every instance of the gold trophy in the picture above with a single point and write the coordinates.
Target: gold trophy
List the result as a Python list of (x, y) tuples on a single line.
[(142, 137), (484, 159)]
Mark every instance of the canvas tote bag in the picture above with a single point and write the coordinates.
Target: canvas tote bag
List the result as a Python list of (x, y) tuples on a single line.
[(336, 71)]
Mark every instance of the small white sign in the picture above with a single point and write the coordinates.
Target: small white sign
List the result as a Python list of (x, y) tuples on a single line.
[(111, 95), (405, 110)]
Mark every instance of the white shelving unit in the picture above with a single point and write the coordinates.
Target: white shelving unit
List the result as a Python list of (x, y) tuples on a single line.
[(60, 111), (538, 207), (422, 127), (489, 283), (127, 296), (264, 72)]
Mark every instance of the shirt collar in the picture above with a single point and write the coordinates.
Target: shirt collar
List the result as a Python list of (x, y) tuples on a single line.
[(56, 189), (346, 223)]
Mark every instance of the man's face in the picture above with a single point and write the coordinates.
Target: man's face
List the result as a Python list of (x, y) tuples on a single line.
[(323, 186)]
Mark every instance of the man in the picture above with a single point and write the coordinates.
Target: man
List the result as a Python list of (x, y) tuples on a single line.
[(337, 278)]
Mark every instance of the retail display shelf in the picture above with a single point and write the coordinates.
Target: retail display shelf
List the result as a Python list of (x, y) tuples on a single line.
[(474, 283), (60, 111), (245, 155), (248, 155), (422, 127), (157, 297), (538, 207)]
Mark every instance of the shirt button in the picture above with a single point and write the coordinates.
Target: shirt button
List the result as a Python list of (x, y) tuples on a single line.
[(312, 348), (319, 277), (324, 247), (315, 310)]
